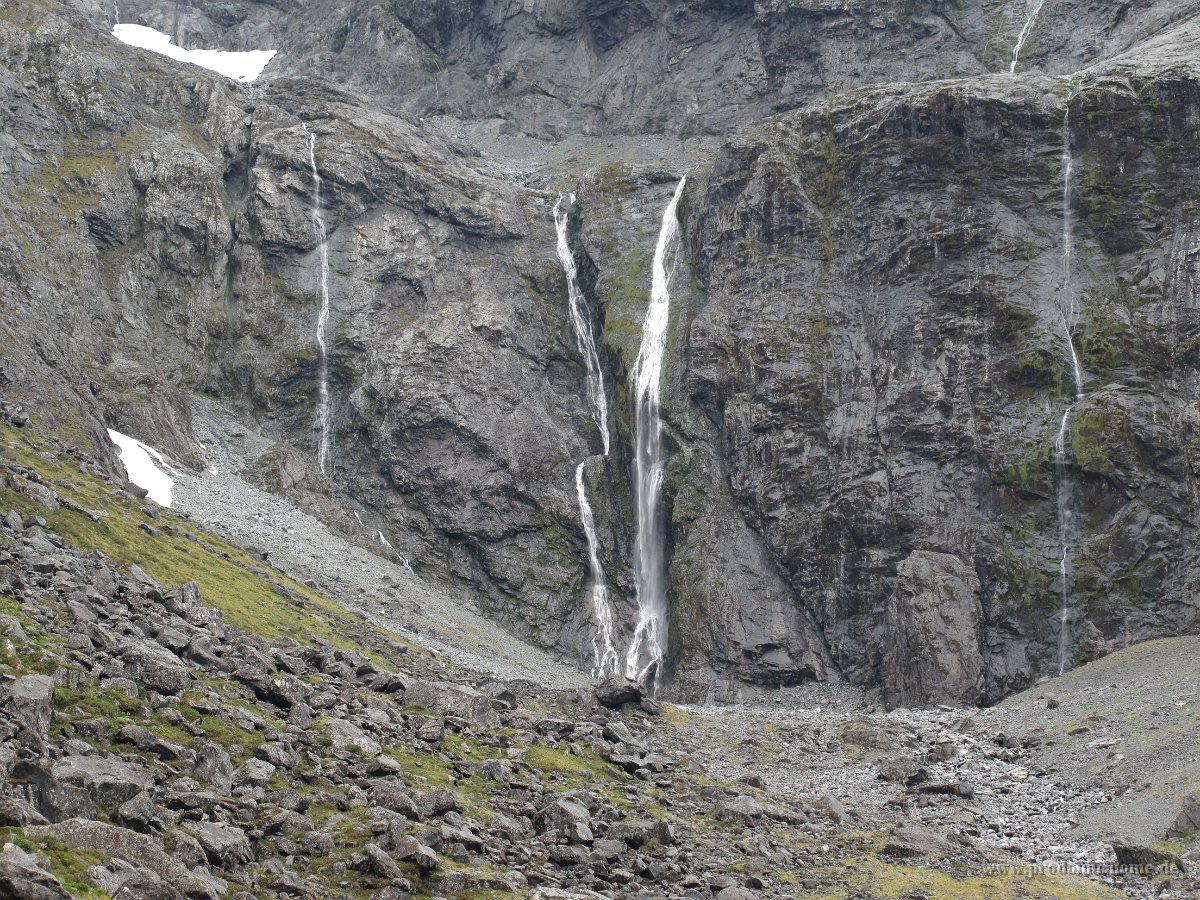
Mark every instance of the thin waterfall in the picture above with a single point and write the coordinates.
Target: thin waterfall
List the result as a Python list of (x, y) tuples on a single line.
[(585, 338), (648, 646), (400, 556), (1026, 31), (606, 659), (318, 223), (1069, 310)]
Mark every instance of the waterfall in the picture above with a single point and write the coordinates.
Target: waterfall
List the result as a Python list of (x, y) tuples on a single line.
[(604, 650), (1024, 35), (648, 647), (607, 662), (400, 556), (318, 223), (1069, 310), (584, 334)]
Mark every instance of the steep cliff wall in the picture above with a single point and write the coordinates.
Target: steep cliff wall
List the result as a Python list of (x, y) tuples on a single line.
[(867, 365)]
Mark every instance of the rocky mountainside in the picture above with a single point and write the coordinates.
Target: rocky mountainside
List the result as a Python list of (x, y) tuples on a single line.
[(240, 735), (899, 265)]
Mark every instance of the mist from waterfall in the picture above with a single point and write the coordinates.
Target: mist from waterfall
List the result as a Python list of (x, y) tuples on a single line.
[(644, 659), (606, 659), (318, 223)]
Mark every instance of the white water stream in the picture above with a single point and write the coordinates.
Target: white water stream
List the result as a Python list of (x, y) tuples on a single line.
[(318, 222), (1068, 307), (1023, 37), (606, 660), (644, 660)]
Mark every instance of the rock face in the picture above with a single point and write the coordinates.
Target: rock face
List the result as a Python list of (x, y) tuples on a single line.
[(867, 363)]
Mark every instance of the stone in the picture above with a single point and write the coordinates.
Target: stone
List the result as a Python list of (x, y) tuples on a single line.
[(30, 701), (617, 691), (16, 813), (346, 734), (378, 863), (156, 668), (214, 766), (1143, 857), (225, 846), (23, 878), (449, 699), (913, 841), (411, 850), (109, 782), (1188, 819), (744, 810), (255, 772), (933, 625), (139, 850)]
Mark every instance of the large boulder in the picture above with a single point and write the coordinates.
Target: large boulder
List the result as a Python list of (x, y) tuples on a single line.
[(448, 699), (225, 845), (23, 877), (932, 633), (156, 668), (139, 850), (30, 702), (109, 782), (617, 691)]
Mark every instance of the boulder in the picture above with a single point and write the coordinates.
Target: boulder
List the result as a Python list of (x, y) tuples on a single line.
[(225, 846), (139, 850), (17, 813), (214, 765), (30, 701), (743, 810), (22, 877), (448, 699), (1188, 819), (346, 734), (156, 668), (617, 691), (411, 850), (916, 842), (1143, 858), (932, 633), (109, 782)]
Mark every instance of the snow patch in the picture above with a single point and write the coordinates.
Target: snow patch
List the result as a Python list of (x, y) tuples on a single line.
[(244, 65), (146, 467)]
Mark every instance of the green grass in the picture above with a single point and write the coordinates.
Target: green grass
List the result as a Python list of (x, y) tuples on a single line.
[(242, 588), (67, 863)]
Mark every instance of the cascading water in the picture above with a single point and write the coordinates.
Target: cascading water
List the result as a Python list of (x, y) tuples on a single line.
[(318, 222), (648, 646), (400, 556), (1026, 31), (584, 335), (604, 649), (1070, 314)]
